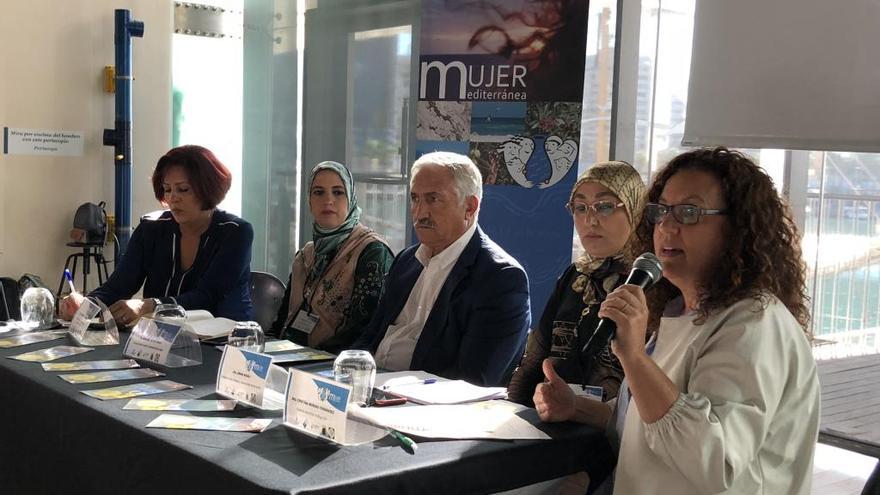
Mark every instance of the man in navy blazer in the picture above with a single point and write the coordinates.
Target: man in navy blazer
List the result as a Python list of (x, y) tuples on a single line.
[(456, 304)]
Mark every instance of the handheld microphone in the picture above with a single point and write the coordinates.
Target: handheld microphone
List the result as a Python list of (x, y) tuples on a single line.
[(646, 272)]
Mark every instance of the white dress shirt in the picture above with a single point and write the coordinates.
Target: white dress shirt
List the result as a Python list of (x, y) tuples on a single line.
[(396, 349)]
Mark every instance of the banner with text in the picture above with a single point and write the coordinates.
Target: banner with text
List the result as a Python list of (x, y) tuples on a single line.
[(502, 82)]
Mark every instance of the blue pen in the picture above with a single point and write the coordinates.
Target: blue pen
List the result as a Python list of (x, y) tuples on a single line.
[(426, 381), (69, 278)]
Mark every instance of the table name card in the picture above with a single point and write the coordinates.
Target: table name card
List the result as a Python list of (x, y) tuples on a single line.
[(316, 405), (242, 375), (86, 317), (151, 340), (83, 317)]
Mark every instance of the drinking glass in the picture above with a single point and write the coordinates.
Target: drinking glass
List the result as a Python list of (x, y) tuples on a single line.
[(38, 308), (247, 335), (171, 312), (358, 369)]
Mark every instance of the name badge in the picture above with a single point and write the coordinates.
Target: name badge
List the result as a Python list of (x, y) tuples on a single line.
[(588, 391), (305, 322), (242, 375), (316, 405)]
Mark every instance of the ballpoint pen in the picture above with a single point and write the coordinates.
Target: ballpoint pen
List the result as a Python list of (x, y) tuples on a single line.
[(426, 381), (403, 439), (69, 278)]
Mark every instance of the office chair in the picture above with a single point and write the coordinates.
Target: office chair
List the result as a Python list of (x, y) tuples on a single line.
[(267, 294)]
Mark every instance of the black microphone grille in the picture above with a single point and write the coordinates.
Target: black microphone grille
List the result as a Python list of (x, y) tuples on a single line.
[(652, 265)]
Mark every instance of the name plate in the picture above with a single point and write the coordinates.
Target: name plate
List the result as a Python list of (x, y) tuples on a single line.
[(316, 405), (151, 340), (242, 375), (83, 317)]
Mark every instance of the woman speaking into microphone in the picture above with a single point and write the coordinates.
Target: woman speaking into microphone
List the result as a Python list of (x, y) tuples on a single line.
[(725, 397)]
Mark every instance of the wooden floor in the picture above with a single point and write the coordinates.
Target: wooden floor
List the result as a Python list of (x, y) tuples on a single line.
[(851, 403), (850, 425)]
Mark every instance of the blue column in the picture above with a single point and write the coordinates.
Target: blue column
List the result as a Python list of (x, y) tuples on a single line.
[(120, 137)]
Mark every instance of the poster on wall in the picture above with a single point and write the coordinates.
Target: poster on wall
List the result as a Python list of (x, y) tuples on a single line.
[(502, 82)]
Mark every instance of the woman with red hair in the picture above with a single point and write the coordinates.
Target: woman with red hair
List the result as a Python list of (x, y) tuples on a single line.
[(192, 254)]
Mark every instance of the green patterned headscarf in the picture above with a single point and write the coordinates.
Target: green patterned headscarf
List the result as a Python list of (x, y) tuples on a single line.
[(625, 182), (327, 241)]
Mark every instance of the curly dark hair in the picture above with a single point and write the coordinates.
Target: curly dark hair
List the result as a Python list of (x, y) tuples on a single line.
[(762, 252)]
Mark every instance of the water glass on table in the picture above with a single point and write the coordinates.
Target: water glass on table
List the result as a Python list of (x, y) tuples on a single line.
[(38, 308), (170, 312), (247, 335), (357, 369)]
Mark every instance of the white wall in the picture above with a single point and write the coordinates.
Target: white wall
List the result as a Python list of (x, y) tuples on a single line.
[(51, 68)]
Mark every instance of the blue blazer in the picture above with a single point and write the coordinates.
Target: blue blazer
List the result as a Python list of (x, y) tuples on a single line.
[(217, 281), (477, 328)]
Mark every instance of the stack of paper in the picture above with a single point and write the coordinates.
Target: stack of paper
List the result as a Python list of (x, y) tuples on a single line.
[(492, 419), (440, 391)]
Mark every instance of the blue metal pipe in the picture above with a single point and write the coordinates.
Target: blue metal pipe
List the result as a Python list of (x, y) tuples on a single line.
[(120, 137)]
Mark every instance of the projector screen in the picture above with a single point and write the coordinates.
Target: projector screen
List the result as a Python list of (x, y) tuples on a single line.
[(791, 74)]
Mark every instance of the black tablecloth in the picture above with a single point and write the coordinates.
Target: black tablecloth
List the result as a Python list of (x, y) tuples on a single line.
[(54, 439)]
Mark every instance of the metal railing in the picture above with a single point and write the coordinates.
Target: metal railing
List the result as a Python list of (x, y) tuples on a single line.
[(842, 250)]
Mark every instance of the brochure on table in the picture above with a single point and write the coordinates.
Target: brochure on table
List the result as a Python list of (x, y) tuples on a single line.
[(251, 378), (318, 406), (107, 334), (164, 342)]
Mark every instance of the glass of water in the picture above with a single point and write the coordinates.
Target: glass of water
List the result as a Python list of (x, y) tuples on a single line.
[(38, 308), (248, 335), (170, 312), (358, 369)]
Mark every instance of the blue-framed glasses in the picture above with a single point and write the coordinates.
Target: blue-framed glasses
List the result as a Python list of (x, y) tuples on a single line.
[(685, 214), (601, 208)]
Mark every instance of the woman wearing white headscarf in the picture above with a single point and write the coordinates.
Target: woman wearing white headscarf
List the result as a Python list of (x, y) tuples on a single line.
[(336, 279)]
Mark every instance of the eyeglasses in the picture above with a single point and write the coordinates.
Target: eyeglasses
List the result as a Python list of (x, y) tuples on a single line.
[(601, 208), (685, 214)]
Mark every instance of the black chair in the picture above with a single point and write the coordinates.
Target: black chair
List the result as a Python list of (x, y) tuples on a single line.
[(90, 251), (9, 299), (267, 293), (872, 485)]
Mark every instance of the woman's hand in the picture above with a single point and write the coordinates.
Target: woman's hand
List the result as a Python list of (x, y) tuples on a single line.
[(554, 400), (69, 305), (627, 307), (127, 311)]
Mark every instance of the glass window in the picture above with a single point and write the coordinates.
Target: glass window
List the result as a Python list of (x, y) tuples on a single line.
[(840, 209), (842, 250), (378, 95), (385, 207), (598, 87), (207, 100)]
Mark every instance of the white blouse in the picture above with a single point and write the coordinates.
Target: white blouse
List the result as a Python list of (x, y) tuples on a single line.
[(747, 416)]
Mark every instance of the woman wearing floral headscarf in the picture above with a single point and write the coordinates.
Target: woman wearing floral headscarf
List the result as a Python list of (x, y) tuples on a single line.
[(604, 203), (336, 279)]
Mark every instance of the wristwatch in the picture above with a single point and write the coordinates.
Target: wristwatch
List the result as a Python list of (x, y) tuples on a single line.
[(156, 302)]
